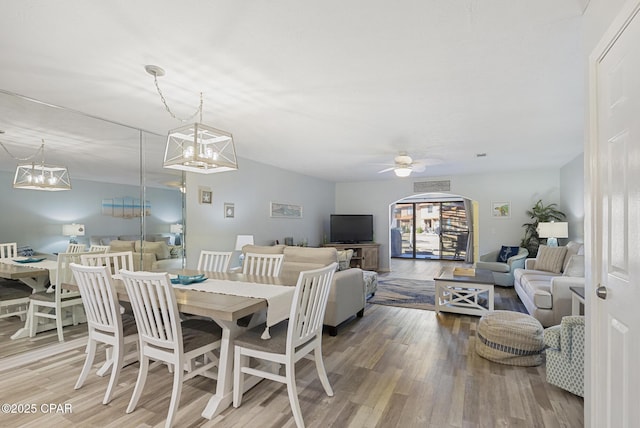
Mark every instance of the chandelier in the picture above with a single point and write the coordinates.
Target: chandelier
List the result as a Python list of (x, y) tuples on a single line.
[(39, 175), (196, 147)]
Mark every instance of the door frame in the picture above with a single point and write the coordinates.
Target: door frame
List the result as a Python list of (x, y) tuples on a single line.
[(593, 241)]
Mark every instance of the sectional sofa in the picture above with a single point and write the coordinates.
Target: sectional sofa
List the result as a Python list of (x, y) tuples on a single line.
[(543, 284), (347, 295)]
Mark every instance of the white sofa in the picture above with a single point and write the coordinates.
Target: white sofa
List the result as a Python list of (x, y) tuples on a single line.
[(543, 284), (154, 254), (347, 295)]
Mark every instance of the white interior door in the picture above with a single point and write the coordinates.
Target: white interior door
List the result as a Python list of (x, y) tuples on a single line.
[(614, 161)]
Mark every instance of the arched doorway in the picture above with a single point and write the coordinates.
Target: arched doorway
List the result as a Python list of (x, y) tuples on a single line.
[(432, 226)]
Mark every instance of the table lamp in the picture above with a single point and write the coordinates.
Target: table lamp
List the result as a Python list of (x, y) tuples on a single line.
[(72, 231), (552, 231)]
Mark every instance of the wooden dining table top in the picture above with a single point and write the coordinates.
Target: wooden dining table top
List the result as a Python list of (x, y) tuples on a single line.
[(12, 271), (214, 305)]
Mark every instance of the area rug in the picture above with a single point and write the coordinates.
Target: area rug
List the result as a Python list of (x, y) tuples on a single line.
[(407, 293), (420, 294)]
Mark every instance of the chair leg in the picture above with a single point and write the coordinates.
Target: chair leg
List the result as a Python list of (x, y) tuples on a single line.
[(290, 371), (33, 325), (116, 367), (239, 361), (88, 362), (322, 373), (175, 394), (142, 378), (59, 324)]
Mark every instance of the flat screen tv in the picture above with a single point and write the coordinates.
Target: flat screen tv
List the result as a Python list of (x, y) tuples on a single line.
[(351, 228)]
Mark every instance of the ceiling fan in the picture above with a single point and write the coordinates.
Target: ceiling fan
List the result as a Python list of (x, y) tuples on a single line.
[(403, 165)]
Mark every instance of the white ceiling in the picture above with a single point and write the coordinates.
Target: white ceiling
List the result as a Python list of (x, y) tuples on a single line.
[(330, 89)]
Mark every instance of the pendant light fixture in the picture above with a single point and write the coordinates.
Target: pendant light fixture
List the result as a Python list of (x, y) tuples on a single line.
[(196, 147), (39, 175)]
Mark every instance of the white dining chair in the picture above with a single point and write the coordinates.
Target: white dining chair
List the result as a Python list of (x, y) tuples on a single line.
[(262, 264), (55, 305), (105, 323), (8, 250), (75, 248), (99, 249), (290, 340), (163, 337), (214, 261), (113, 261)]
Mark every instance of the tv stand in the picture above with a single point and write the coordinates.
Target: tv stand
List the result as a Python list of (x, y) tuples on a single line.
[(365, 255)]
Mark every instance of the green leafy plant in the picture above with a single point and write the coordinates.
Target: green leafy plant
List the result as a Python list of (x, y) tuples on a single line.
[(538, 213)]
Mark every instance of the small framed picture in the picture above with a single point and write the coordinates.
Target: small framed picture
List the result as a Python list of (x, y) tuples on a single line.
[(206, 196), (501, 209), (229, 210)]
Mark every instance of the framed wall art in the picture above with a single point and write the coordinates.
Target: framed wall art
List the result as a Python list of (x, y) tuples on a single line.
[(206, 196), (279, 210), (229, 210), (501, 209)]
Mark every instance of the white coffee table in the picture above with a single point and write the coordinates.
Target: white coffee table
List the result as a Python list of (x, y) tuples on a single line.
[(469, 295)]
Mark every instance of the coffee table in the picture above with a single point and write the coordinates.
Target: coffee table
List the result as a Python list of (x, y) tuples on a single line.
[(461, 294)]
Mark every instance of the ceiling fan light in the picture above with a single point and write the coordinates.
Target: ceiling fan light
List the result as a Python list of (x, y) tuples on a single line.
[(402, 171)]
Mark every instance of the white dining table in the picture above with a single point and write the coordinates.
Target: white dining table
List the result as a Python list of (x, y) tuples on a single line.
[(36, 275)]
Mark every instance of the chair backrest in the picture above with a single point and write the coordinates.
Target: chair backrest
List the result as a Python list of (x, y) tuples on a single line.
[(154, 308), (99, 249), (214, 261), (309, 305), (75, 248), (8, 250), (99, 297), (113, 261), (262, 264), (64, 275)]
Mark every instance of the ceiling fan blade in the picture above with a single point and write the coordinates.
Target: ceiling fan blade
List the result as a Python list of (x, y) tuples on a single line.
[(419, 167), (387, 170)]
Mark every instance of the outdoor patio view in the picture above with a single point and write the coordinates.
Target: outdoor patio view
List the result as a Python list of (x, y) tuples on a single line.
[(430, 230)]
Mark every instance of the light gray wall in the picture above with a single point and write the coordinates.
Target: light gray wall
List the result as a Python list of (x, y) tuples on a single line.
[(572, 197), (35, 218), (251, 189), (522, 189)]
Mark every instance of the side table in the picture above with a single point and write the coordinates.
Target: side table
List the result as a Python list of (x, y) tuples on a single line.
[(577, 300)]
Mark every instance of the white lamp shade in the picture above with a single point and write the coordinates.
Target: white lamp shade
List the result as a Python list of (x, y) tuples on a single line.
[(175, 228), (242, 240), (553, 229), (73, 229)]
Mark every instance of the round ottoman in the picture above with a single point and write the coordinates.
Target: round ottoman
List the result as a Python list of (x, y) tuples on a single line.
[(510, 338)]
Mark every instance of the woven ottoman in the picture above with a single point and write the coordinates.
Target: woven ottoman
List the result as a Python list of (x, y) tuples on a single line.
[(511, 338)]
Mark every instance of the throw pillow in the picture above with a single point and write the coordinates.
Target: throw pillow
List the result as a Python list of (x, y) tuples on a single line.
[(344, 259), (550, 259), (506, 252), (117, 246), (575, 267)]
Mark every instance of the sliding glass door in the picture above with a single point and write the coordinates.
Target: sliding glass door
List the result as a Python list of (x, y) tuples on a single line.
[(430, 230)]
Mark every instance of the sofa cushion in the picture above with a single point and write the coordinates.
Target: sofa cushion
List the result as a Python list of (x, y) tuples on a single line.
[(291, 271), (550, 258), (324, 256), (573, 248), (344, 259), (574, 266), (117, 246), (160, 249), (506, 252), (538, 288), (493, 266), (263, 249)]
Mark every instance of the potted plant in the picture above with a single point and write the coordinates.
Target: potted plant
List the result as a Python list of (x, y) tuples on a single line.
[(538, 213)]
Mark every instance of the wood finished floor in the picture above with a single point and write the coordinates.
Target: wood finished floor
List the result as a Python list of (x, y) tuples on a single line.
[(394, 367)]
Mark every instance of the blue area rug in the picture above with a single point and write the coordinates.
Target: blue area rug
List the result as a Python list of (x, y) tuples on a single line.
[(407, 293)]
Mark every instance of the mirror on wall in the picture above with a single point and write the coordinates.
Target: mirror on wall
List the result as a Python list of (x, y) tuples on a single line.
[(119, 190)]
